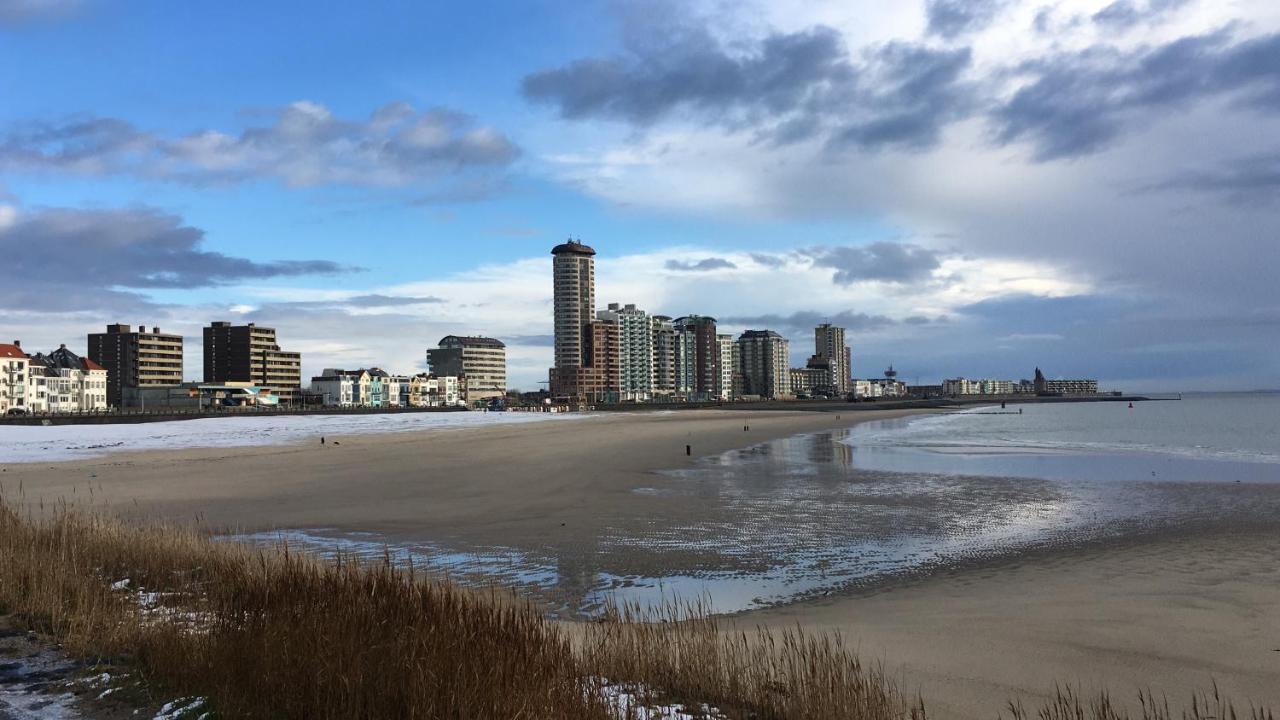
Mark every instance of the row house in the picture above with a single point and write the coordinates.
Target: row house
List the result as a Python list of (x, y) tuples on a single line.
[(60, 382), (375, 387)]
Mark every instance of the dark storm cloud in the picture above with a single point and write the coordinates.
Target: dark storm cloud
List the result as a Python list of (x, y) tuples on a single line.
[(304, 145), (879, 261), (952, 18), (711, 263), (799, 324), (1247, 181), (917, 92), (81, 259), (787, 87), (1079, 103)]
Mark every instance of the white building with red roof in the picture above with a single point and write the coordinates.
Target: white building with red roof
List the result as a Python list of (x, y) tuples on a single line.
[(14, 378)]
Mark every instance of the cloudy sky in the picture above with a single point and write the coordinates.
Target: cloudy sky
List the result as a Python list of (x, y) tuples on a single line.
[(972, 187)]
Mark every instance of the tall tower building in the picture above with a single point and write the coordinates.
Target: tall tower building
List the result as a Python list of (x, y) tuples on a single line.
[(829, 344), (664, 356), (574, 269), (697, 357), (764, 358), (574, 298)]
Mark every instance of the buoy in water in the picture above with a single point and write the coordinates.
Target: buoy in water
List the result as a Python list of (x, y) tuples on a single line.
[(1130, 406)]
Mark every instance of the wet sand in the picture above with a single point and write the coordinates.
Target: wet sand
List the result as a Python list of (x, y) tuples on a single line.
[(1176, 609), (1167, 613), (510, 484)]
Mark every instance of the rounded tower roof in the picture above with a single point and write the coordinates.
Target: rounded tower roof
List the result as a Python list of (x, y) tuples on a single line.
[(572, 247)]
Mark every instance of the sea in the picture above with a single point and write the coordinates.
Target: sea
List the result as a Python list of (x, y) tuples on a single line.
[(887, 500)]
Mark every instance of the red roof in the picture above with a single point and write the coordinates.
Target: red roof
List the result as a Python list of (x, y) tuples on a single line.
[(91, 365), (11, 351)]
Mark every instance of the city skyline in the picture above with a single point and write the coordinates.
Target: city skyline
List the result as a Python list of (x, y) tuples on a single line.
[(971, 188)]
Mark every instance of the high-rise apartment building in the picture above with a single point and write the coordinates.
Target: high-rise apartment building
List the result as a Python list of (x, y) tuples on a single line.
[(249, 353), (481, 360), (829, 344), (765, 364), (635, 350), (728, 379), (697, 357), (664, 356), (138, 359), (574, 305)]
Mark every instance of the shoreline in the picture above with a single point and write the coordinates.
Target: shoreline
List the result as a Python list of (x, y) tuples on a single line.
[(1172, 610)]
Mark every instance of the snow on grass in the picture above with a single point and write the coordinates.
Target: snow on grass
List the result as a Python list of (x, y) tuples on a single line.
[(35, 443), (630, 701), (182, 708)]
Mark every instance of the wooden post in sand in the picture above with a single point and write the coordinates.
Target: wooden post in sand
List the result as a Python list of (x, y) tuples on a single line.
[(688, 449)]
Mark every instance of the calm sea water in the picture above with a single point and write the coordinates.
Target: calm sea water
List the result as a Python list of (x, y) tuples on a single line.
[(1221, 437)]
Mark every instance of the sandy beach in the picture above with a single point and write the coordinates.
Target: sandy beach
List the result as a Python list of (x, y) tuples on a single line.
[(1170, 611)]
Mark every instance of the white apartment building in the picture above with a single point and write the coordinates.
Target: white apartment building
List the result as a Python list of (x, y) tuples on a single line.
[(635, 350), (729, 362), (63, 382), (965, 386), (60, 382), (13, 378), (426, 390), (879, 387), (342, 388)]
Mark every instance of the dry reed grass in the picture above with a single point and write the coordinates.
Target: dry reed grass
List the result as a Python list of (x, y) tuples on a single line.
[(270, 633), (1069, 703)]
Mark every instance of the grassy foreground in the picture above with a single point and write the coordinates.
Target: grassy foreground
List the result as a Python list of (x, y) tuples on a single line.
[(269, 633)]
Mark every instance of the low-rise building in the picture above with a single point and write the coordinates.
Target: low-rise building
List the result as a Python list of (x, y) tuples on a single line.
[(1044, 386), (427, 390), (341, 388), (956, 387), (14, 365), (67, 383)]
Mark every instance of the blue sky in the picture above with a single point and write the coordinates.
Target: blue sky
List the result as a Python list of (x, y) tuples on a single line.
[(974, 188)]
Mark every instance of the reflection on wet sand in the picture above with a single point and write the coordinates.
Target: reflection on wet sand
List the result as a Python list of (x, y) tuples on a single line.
[(797, 517)]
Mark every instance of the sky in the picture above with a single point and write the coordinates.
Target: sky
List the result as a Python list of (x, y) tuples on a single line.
[(972, 187)]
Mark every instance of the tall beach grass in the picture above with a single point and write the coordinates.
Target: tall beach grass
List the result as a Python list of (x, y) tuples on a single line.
[(273, 633)]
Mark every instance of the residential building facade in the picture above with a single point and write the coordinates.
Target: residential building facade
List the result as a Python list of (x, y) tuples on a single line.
[(663, 336), (574, 307), (14, 366), (249, 353), (765, 366), (481, 360), (635, 350), (136, 359), (697, 357), (67, 383), (829, 345)]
